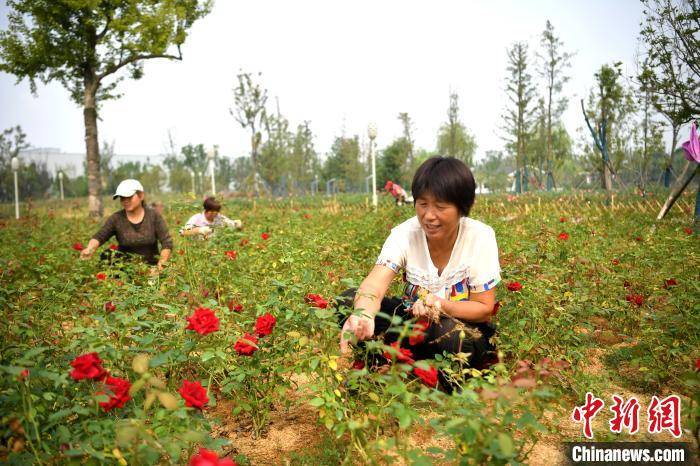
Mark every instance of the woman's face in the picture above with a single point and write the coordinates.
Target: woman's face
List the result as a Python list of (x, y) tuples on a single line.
[(439, 219), (210, 215), (132, 203)]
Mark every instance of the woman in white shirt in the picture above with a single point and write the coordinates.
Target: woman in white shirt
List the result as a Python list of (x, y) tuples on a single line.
[(211, 217), (445, 256)]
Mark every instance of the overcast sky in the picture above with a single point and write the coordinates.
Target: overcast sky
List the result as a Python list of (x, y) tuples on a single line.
[(339, 65)]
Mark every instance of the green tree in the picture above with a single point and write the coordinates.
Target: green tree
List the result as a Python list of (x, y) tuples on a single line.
[(343, 164), (670, 34), (648, 133), (250, 99), (608, 120), (553, 64), (392, 161), (454, 140), (304, 159), (493, 170), (407, 126), (85, 45), (274, 159), (34, 178), (519, 116)]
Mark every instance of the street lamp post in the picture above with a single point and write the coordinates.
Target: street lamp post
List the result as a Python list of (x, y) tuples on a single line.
[(15, 167), (60, 183), (210, 156), (372, 133)]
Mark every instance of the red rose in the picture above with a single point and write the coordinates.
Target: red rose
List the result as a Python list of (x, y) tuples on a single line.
[(194, 394), (246, 345), (78, 246), (265, 236), (264, 324), (307, 216), (635, 299), (688, 231), (638, 239), (401, 354), (23, 375), (563, 236), (210, 458), (697, 365), (87, 366), (496, 307), (110, 307), (670, 282), (616, 261), (417, 336), (316, 300), (244, 241), (358, 365), (101, 276), (181, 252), (562, 219), (515, 286), (234, 306), (203, 321), (429, 377), (113, 247), (119, 389), (231, 254)]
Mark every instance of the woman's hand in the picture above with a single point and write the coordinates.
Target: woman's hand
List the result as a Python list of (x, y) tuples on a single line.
[(89, 250), (429, 307), (361, 326)]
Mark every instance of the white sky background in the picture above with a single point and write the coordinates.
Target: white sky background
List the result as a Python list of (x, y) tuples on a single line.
[(339, 65)]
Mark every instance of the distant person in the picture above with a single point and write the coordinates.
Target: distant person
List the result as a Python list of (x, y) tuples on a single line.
[(449, 263), (397, 192), (138, 228), (159, 207), (206, 221)]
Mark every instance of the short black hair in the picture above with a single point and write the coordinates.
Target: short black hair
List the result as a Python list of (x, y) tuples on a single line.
[(448, 179), (211, 205)]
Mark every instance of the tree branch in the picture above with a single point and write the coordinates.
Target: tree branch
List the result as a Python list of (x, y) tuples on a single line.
[(134, 58)]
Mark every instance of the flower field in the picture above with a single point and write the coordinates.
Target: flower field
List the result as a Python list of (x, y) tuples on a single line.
[(231, 355)]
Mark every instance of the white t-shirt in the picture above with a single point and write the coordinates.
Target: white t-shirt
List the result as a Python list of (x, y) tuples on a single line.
[(473, 265)]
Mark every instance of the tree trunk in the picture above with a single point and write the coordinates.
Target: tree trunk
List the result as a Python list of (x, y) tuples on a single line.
[(678, 190), (92, 147)]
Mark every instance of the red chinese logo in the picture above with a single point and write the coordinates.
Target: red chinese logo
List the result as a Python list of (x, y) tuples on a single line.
[(587, 412), (626, 414), (665, 414)]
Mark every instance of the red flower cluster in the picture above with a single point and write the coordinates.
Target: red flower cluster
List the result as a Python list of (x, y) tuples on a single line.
[(120, 393), (265, 236), (87, 366), (244, 241), (101, 276), (616, 261), (194, 394), (231, 254), (358, 365), (403, 355), (688, 231), (562, 219), (113, 247), (515, 286), (316, 300), (563, 236), (638, 239), (23, 375), (697, 365), (203, 321), (634, 298), (247, 345), (307, 216), (234, 306), (418, 335), (264, 324), (429, 377), (210, 458), (78, 246), (110, 307), (669, 283)]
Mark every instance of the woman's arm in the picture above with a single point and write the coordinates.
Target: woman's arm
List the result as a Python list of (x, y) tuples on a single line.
[(92, 246), (477, 309), (163, 235), (107, 230), (368, 299), (164, 257)]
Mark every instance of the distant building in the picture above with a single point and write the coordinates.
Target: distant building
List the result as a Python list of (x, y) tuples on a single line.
[(73, 164)]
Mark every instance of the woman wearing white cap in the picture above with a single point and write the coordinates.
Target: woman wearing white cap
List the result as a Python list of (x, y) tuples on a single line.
[(138, 228)]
